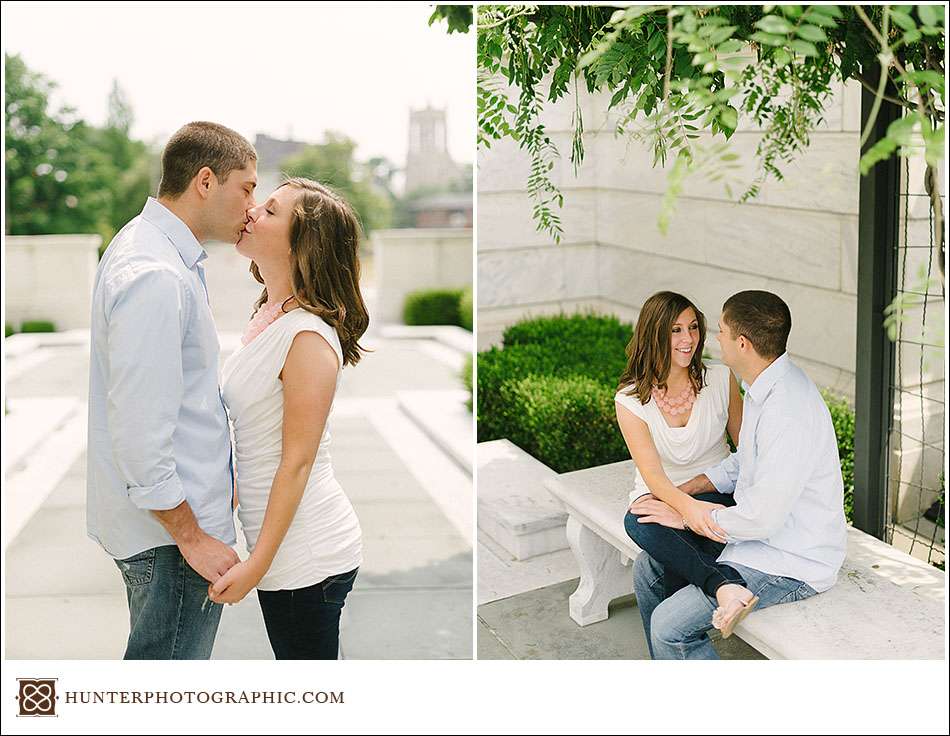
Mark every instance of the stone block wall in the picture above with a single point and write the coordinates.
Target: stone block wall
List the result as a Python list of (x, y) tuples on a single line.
[(410, 259), (798, 238), (50, 278)]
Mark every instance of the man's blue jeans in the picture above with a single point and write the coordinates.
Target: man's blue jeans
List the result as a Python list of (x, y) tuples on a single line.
[(170, 616), (676, 626)]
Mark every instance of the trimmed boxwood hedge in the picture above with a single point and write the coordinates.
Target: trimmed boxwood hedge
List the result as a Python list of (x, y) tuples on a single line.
[(467, 371), (590, 346), (38, 326), (432, 307), (550, 391), (467, 309), (568, 422), (576, 329), (440, 307)]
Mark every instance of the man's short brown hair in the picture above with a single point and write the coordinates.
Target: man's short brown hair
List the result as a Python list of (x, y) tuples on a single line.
[(197, 145), (762, 318)]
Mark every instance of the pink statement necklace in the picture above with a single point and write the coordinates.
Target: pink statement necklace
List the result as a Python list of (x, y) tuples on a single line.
[(262, 319), (679, 404)]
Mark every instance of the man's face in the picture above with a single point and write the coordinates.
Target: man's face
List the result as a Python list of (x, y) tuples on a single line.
[(231, 201), (727, 343)]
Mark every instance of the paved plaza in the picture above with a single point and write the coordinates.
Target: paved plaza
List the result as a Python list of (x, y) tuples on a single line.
[(413, 598), (523, 613)]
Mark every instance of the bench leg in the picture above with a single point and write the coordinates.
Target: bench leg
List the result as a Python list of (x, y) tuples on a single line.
[(603, 574)]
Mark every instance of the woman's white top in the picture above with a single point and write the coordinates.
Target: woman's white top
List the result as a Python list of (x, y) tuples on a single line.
[(324, 537), (687, 451)]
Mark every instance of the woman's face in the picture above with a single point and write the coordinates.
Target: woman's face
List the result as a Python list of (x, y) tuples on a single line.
[(684, 338), (266, 235)]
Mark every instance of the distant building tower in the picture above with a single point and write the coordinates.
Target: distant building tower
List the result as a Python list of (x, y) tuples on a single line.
[(428, 164)]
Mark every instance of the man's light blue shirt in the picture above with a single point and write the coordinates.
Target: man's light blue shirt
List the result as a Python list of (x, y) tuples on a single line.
[(158, 430), (786, 476)]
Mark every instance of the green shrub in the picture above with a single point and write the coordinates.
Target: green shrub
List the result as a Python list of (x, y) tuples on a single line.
[(600, 360), (842, 416), (432, 307), (37, 326), (8, 330), (467, 309), (575, 329), (579, 345), (566, 423), (467, 371)]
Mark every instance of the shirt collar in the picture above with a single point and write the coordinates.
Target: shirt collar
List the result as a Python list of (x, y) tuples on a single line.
[(177, 231), (764, 382)]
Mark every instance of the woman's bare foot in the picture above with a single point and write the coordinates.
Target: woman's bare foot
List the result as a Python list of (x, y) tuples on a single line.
[(735, 603)]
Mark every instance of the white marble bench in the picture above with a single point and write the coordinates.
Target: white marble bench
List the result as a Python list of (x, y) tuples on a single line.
[(886, 604)]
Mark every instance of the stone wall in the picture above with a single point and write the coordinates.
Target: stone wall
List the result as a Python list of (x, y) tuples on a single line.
[(798, 238), (410, 259), (50, 278)]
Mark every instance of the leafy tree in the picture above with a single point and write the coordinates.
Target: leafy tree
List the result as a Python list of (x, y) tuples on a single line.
[(56, 181), (332, 162), (459, 17), (131, 159), (63, 175), (679, 77)]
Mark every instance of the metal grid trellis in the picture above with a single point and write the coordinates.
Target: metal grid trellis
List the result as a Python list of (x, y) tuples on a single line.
[(914, 518)]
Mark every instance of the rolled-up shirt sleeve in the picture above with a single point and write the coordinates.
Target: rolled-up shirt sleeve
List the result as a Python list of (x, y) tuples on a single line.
[(724, 475), (782, 468), (145, 385)]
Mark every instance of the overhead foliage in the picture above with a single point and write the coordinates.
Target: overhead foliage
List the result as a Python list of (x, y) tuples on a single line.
[(681, 77)]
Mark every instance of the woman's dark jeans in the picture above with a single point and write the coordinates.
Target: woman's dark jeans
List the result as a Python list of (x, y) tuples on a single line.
[(305, 623), (687, 558)]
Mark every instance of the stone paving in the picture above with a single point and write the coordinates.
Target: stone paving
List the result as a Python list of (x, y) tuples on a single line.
[(523, 613), (536, 625), (412, 600)]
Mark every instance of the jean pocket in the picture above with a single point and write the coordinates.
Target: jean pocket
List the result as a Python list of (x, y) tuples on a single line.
[(138, 569), (336, 587)]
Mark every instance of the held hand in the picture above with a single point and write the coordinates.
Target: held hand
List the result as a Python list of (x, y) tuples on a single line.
[(235, 583), (699, 484), (209, 557), (638, 499), (653, 511), (699, 519)]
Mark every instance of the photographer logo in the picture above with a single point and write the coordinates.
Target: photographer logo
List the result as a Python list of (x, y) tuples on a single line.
[(37, 697)]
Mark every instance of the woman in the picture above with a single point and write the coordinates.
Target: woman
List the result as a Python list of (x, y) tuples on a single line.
[(304, 537), (674, 412)]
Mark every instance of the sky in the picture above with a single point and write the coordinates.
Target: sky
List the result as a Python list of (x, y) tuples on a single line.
[(290, 70)]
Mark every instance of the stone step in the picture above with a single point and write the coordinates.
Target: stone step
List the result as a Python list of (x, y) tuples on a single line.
[(443, 416), (29, 481), (457, 338), (514, 508)]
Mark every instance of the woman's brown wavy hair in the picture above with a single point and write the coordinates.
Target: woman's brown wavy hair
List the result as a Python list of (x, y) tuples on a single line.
[(325, 265), (648, 352)]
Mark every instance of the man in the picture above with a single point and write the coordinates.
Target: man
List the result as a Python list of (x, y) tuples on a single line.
[(159, 482), (786, 533)]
